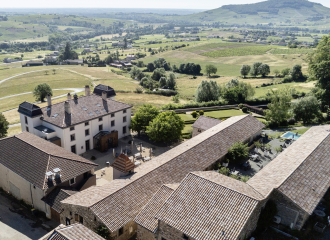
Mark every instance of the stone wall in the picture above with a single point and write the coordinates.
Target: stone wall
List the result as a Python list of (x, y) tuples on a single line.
[(169, 233), (145, 234), (289, 212)]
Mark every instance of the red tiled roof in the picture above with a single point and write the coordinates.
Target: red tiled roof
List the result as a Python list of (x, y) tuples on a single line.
[(123, 163)]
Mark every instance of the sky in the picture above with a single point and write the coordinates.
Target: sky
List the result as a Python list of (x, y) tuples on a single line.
[(184, 4)]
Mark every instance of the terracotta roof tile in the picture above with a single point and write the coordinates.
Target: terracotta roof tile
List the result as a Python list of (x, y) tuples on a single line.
[(205, 122), (31, 157), (208, 204), (146, 218), (72, 232), (127, 199)]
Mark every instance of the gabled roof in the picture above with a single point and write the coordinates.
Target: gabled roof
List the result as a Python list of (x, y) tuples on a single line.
[(54, 198), (205, 122), (209, 205), (123, 163), (127, 198), (31, 157), (29, 109), (103, 88), (301, 172), (146, 218), (83, 109), (72, 232)]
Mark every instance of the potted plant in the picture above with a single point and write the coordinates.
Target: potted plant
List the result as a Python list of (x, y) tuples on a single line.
[(225, 162), (257, 144)]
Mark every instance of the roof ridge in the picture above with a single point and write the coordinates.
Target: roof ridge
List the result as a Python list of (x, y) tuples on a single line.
[(229, 187), (328, 135), (145, 174)]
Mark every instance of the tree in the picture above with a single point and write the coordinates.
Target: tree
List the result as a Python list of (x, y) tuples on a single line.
[(108, 59), (237, 92), (264, 70), (135, 72), (245, 69), (162, 82), (296, 72), (150, 67), (125, 43), (255, 69), (41, 91), (170, 82), (166, 127), (68, 53), (143, 117), (306, 109), (210, 69), (207, 91), (285, 72), (4, 125), (276, 72), (238, 152), (158, 73), (104, 232), (278, 109)]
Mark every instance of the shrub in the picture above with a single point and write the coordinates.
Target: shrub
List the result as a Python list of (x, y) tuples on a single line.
[(241, 105), (245, 178), (194, 114), (244, 110), (225, 171), (201, 112), (175, 98), (234, 176), (139, 90), (238, 152), (287, 79)]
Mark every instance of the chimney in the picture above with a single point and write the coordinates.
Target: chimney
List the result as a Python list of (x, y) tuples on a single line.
[(69, 96), (50, 176), (49, 100), (67, 107), (57, 172), (104, 95), (87, 90)]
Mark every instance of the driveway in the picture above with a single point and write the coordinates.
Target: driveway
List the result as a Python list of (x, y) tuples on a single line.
[(16, 226)]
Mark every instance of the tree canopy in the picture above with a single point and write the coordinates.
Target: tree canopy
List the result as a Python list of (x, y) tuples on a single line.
[(41, 91), (207, 91), (278, 109), (237, 92), (166, 127), (245, 69), (238, 152), (4, 125), (158, 73), (210, 69), (306, 109), (143, 117), (68, 53)]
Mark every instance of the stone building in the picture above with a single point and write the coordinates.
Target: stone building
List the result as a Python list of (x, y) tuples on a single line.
[(298, 178), (203, 123), (209, 205), (33, 169), (117, 203)]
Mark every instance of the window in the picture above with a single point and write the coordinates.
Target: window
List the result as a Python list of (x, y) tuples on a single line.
[(124, 130), (27, 129), (100, 119), (72, 181), (87, 132), (112, 115), (76, 217), (112, 123), (73, 137), (81, 220), (121, 231), (124, 119), (94, 219), (199, 130), (67, 221), (73, 149), (71, 128), (100, 127), (70, 213), (26, 120), (86, 123), (124, 111)]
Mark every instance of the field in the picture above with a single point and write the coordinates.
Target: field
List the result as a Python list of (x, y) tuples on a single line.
[(291, 51)]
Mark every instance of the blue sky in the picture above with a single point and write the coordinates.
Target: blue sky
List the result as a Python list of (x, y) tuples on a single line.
[(191, 4)]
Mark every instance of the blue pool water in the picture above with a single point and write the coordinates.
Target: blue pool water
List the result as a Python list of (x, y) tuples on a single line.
[(291, 135)]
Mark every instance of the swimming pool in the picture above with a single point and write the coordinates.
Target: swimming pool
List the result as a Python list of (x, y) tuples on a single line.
[(291, 135)]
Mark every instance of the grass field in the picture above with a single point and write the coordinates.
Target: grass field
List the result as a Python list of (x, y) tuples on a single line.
[(239, 50), (222, 114), (14, 130), (292, 51), (302, 87)]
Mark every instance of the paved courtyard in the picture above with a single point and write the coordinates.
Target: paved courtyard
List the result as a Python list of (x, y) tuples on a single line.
[(16, 225), (104, 172)]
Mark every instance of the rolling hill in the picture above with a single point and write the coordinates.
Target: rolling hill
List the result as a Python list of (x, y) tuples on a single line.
[(275, 12)]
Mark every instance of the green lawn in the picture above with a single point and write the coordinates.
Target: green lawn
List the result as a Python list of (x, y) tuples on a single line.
[(187, 129), (186, 117), (221, 114)]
